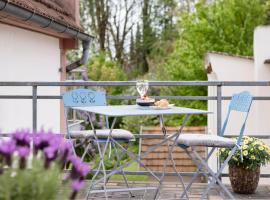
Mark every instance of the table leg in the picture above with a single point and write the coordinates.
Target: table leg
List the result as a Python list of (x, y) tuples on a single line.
[(170, 156), (137, 158), (122, 171)]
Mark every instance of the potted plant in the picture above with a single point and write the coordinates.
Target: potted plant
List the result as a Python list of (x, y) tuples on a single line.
[(31, 166), (244, 166)]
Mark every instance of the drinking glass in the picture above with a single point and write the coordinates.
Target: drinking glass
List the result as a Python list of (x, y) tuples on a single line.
[(142, 87)]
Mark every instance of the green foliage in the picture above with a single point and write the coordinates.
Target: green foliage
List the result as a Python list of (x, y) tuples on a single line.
[(32, 184), (100, 68), (136, 60), (114, 158), (103, 69), (255, 153), (133, 167), (223, 26), (133, 123)]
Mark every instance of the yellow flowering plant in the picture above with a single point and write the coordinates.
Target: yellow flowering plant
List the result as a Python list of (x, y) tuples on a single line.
[(252, 153)]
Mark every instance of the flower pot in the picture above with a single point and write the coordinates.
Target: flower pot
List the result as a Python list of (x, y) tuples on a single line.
[(244, 181)]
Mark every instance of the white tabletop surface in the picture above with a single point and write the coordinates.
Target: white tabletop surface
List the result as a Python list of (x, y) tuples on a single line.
[(135, 110)]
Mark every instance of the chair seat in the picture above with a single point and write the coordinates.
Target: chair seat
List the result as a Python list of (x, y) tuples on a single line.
[(205, 140), (119, 134)]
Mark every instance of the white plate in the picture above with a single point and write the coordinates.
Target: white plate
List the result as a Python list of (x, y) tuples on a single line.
[(162, 108), (156, 107)]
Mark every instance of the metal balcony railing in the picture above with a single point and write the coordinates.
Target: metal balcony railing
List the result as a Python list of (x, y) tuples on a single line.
[(218, 97)]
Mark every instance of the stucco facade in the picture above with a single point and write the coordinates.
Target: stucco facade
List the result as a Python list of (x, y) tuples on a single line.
[(222, 67), (262, 73), (34, 38), (28, 56), (230, 68)]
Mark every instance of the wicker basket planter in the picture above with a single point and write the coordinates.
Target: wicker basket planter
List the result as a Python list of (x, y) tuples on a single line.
[(244, 181)]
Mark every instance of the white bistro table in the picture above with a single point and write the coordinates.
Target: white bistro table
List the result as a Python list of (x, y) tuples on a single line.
[(116, 111)]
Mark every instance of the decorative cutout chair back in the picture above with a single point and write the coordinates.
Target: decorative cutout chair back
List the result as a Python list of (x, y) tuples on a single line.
[(240, 102), (82, 98)]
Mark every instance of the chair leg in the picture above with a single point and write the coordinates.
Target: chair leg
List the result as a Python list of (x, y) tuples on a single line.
[(92, 181), (104, 173), (73, 145), (122, 171), (85, 151), (101, 168), (215, 176), (200, 167), (102, 154), (136, 158), (105, 179), (180, 178)]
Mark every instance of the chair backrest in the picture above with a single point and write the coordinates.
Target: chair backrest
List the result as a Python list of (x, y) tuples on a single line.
[(240, 102), (83, 98)]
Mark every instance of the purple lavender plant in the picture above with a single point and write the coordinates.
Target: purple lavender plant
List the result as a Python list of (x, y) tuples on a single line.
[(50, 154), (79, 169), (23, 152), (53, 147), (76, 185), (42, 140), (22, 138), (6, 150), (78, 172), (65, 152)]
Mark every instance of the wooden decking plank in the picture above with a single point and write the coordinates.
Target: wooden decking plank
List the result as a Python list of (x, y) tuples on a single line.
[(172, 190)]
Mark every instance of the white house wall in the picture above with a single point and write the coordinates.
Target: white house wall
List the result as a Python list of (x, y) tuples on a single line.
[(262, 72), (28, 56), (229, 68)]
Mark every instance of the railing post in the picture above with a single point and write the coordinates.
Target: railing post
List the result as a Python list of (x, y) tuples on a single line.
[(219, 116), (34, 107), (219, 109)]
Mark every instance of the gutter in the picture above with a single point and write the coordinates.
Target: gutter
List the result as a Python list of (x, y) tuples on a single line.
[(44, 22)]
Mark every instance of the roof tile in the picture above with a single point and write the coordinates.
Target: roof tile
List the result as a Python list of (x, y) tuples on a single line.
[(58, 10)]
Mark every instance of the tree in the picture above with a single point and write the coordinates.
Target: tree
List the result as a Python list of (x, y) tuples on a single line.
[(138, 49), (132, 52), (120, 27), (223, 26), (95, 15), (148, 34), (111, 21)]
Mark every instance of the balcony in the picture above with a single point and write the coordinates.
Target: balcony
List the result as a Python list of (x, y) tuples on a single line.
[(218, 96)]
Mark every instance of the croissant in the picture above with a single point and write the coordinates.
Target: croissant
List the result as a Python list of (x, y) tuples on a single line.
[(162, 103)]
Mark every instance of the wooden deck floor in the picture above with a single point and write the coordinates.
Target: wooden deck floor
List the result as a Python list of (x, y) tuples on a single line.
[(172, 190)]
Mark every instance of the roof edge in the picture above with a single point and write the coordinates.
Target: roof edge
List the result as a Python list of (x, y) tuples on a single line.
[(43, 21), (231, 55)]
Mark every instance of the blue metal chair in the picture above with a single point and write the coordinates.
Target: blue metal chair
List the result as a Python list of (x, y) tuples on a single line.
[(85, 98), (240, 103)]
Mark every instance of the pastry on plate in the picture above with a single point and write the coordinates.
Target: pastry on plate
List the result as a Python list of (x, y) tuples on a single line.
[(163, 103)]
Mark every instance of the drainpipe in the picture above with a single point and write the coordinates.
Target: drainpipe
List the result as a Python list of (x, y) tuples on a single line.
[(44, 22), (84, 58)]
